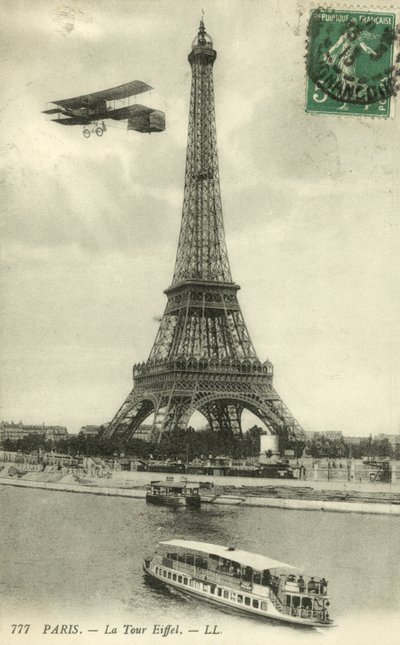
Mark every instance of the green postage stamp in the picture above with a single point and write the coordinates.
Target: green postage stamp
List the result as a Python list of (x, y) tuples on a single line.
[(350, 67)]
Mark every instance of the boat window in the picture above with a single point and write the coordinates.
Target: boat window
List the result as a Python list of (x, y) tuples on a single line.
[(247, 601), (240, 598), (236, 570), (219, 591), (233, 595), (226, 593), (296, 601), (180, 578), (181, 557), (156, 569), (164, 573), (201, 563), (224, 565), (287, 600), (306, 602), (185, 581), (257, 577), (255, 603), (264, 606), (169, 575), (173, 556), (189, 558), (174, 576)]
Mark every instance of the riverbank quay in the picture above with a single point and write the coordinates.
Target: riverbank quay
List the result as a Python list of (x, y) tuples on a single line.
[(272, 495)]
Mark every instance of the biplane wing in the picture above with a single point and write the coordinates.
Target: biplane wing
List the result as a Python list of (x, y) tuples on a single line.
[(118, 114), (53, 111), (119, 92), (71, 120)]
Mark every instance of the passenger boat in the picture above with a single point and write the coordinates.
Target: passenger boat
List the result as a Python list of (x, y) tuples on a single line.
[(242, 581), (174, 493)]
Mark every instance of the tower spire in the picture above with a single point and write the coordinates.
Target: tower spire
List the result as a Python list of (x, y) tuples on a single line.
[(202, 29), (202, 253)]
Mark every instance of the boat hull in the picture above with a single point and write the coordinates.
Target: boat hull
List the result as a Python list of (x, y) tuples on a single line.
[(174, 502)]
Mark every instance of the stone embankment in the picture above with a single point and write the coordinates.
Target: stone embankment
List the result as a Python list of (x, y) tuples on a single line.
[(299, 497)]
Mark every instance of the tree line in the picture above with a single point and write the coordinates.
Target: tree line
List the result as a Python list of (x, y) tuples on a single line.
[(337, 448), (187, 445)]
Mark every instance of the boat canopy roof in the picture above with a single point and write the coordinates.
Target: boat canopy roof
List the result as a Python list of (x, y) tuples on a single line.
[(245, 558)]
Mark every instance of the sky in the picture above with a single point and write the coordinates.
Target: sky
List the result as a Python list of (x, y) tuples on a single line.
[(90, 227)]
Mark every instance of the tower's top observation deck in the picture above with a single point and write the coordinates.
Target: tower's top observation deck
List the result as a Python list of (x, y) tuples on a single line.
[(202, 47)]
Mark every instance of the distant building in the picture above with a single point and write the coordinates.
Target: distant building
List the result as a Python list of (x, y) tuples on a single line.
[(15, 431), (394, 439), (333, 435), (89, 431), (355, 441), (144, 432)]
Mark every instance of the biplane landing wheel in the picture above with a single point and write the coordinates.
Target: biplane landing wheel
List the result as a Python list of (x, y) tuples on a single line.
[(86, 133), (99, 132)]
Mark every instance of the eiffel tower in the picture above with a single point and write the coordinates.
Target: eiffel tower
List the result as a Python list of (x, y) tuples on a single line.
[(202, 358)]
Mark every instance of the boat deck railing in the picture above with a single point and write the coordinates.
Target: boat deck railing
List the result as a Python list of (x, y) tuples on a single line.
[(167, 491), (315, 614)]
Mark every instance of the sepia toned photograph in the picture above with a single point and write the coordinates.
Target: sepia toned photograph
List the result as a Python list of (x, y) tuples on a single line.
[(200, 323)]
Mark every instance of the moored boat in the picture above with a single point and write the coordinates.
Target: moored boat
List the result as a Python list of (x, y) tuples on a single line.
[(174, 493), (242, 581)]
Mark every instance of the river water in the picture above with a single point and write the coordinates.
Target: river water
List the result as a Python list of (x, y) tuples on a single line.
[(77, 559)]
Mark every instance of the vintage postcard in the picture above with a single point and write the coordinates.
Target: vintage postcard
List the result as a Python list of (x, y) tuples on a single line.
[(200, 356)]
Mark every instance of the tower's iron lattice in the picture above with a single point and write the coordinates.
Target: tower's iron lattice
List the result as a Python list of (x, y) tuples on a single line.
[(202, 358)]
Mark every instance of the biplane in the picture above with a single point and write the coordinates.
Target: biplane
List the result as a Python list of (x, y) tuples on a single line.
[(91, 110)]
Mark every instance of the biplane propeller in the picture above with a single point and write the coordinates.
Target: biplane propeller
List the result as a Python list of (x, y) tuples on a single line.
[(91, 110)]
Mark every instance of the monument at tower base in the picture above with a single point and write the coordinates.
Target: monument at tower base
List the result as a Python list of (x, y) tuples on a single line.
[(269, 448)]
